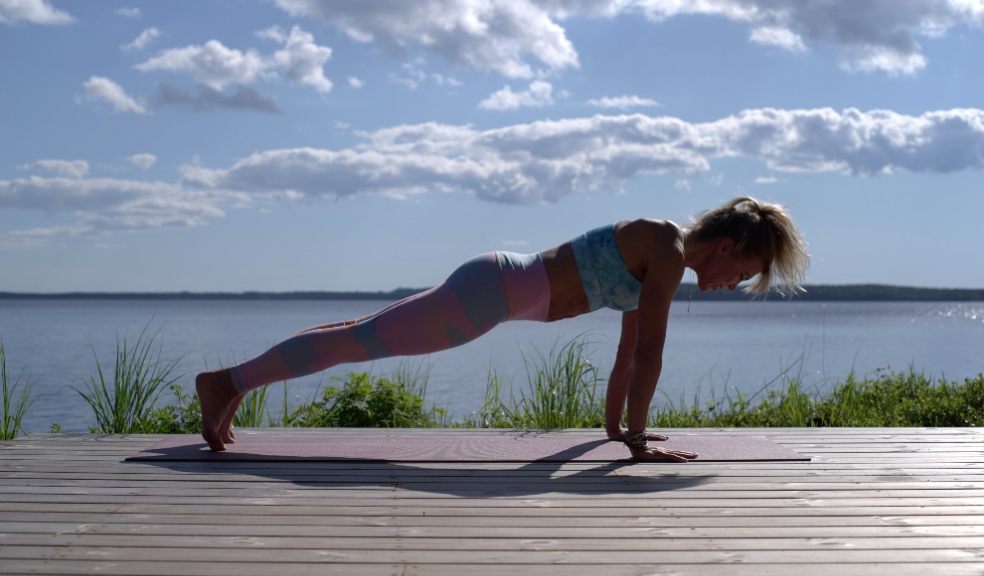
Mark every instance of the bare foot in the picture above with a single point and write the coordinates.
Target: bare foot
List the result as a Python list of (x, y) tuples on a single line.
[(216, 394), (225, 429)]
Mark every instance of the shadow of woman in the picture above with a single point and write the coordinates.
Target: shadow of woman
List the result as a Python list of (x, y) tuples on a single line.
[(556, 473)]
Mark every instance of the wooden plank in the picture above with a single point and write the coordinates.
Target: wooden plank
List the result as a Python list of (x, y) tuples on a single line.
[(138, 568), (245, 522), (638, 480), (611, 493), (503, 499), (172, 567), (276, 544), (327, 554), (796, 509), (689, 533), (329, 474)]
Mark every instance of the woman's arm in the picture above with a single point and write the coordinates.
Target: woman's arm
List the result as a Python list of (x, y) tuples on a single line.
[(647, 363), (618, 382), (662, 279)]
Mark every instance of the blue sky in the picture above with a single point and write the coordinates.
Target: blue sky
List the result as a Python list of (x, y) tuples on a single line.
[(339, 145)]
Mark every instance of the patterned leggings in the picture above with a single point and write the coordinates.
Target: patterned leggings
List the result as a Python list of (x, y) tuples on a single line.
[(481, 293)]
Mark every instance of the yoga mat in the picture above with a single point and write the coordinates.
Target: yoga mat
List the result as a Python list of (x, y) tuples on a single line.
[(512, 446)]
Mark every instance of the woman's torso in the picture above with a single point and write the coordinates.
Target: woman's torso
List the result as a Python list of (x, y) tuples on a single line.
[(638, 242)]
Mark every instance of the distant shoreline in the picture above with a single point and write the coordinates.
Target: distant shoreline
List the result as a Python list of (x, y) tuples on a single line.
[(814, 293)]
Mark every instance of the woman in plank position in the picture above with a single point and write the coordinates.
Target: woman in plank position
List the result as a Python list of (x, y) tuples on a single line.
[(633, 266)]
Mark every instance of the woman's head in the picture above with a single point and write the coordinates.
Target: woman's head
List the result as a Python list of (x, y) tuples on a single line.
[(762, 231)]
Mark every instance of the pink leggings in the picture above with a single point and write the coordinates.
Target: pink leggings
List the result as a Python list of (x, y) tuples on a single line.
[(481, 293)]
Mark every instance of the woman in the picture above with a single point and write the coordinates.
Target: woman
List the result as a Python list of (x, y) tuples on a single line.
[(633, 266)]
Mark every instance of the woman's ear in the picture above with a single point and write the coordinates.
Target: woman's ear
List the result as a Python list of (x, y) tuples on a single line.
[(724, 246)]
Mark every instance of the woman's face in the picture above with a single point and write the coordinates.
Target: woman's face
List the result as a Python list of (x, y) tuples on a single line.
[(723, 270)]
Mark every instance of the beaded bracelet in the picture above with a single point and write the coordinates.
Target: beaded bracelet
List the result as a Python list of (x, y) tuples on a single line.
[(636, 440)]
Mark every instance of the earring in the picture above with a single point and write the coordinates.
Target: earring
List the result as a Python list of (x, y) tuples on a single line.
[(690, 295)]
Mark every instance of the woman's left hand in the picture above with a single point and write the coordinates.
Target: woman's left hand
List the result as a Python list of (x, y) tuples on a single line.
[(662, 454)]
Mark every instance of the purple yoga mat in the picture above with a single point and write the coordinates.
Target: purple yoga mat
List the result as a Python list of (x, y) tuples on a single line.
[(409, 446)]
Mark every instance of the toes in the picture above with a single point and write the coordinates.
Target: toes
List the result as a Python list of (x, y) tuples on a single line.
[(212, 439), (213, 412), (228, 437)]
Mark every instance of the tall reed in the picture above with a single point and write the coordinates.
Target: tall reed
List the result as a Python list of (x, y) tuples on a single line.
[(253, 409), (126, 405), (13, 414), (562, 392)]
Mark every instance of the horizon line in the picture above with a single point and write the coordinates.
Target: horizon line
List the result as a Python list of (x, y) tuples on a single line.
[(812, 291)]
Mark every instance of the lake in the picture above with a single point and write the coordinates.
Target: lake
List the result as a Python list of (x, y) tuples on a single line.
[(713, 348)]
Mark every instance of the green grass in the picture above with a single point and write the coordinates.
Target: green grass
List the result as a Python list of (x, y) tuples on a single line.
[(13, 411), (889, 399), (562, 392), (563, 389), (125, 404)]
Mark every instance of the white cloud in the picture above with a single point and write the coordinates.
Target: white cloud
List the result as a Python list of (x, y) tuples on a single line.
[(274, 33), (524, 38), (142, 161), (33, 12), (215, 66), (129, 12), (141, 41), (869, 59), (414, 75), (104, 89), (302, 61), (355, 82), (876, 35), (103, 205), (544, 161), (205, 98), (538, 95), (623, 102), (766, 180), (68, 168), (496, 36), (211, 64), (538, 162), (444, 80), (777, 36)]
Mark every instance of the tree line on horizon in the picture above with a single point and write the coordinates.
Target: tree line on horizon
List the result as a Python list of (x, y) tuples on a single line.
[(813, 292)]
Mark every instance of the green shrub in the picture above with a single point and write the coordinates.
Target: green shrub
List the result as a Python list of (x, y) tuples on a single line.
[(370, 402), (183, 418)]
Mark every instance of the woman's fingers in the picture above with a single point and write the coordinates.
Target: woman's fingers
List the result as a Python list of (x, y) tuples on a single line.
[(663, 454)]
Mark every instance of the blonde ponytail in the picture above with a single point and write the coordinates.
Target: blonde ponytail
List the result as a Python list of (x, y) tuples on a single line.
[(764, 230)]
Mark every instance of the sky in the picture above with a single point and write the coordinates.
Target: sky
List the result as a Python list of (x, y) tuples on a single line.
[(279, 145)]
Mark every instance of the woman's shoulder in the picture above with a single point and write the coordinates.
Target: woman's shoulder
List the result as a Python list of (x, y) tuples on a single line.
[(644, 240), (652, 232)]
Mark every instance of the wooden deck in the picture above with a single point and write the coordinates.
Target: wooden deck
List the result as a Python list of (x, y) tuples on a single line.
[(873, 501)]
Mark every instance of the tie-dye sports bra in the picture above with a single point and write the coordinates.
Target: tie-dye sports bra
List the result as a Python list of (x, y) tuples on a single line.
[(607, 282)]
